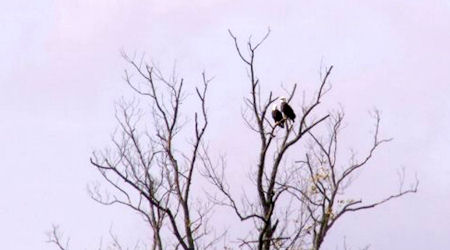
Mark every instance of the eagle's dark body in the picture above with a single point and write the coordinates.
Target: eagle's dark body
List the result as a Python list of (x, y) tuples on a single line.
[(278, 117), (287, 110)]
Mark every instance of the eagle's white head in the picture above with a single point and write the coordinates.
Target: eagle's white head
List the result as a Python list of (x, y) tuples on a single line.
[(274, 107), (283, 99)]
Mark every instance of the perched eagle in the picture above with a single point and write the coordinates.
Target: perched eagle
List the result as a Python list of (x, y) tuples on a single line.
[(277, 116), (287, 110)]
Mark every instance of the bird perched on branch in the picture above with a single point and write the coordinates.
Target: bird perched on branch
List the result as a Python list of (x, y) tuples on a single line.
[(277, 116), (288, 112)]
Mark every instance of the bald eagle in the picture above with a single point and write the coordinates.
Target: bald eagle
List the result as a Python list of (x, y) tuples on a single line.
[(277, 116), (287, 110)]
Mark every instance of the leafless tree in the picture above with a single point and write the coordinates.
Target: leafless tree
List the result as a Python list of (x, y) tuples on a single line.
[(149, 173), (296, 206), (299, 177), (324, 193)]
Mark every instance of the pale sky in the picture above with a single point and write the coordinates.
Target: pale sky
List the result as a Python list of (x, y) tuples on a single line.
[(61, 72)]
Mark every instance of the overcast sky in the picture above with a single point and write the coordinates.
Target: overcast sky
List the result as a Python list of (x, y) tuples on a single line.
[(61, 72)]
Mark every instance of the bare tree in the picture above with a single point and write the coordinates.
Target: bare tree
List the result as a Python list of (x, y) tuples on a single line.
[(324, 193), (299, 178), (149, 173), (296, 206)]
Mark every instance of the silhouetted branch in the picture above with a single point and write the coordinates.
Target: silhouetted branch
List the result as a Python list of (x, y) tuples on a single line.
[(55, 237)]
